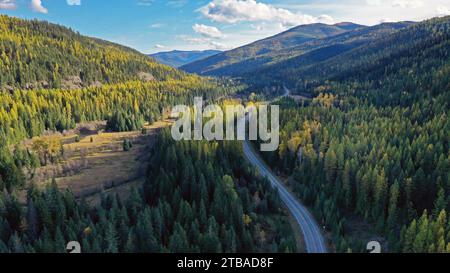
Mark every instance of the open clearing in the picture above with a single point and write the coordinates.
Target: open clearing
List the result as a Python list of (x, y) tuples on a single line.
[(94, 161)]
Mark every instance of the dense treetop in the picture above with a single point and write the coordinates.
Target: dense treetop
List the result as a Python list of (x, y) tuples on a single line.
[(198, 198)]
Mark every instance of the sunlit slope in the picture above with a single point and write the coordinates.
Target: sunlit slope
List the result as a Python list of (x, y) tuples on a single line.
[(35, 54)]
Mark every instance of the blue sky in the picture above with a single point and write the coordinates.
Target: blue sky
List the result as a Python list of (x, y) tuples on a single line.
[(162, 25)]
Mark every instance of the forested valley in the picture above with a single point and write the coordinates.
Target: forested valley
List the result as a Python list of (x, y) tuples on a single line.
[(373, 143), (364, 143), (197, 197)]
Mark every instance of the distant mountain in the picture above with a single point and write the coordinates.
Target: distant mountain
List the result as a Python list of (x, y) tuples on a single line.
[(348, 26), (417, 49), (287, 64), (243, 59), (178, 58)]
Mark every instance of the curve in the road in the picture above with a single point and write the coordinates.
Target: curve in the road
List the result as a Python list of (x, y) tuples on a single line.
[(314, 240)]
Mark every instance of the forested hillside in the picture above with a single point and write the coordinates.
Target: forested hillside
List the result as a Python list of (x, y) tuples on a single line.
[(282, 67), (421, 45), (249, 57), (374, 142), (35, 54), (198, 197), (27, 110)]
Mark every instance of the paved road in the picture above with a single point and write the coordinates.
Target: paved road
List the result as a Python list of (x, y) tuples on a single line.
[(314, 240)]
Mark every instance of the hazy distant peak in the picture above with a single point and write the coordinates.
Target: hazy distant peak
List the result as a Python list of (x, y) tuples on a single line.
[(177, 58)]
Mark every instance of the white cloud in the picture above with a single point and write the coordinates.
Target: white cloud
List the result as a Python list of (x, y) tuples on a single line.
[(442, 11), (8, 4), (370, 12), (374, 2), (257, 27), (413, 4), (193, 40), (205, 43), (36, 5), (177, 3), (145, 2), (207, 31), (157, 25), (74, 2), (209, 40), (219, 46), (327, 19), (386, 20), (158, 46), (234, 11)]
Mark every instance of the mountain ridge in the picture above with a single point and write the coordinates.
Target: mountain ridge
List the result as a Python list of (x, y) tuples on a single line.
[(320, 50), (217, 64), (177, 58), (373, 58)]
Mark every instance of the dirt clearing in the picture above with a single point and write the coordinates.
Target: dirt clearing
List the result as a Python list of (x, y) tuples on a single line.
[(94, 161)]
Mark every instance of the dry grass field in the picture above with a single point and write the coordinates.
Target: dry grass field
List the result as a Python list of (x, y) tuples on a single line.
[(95, 162)]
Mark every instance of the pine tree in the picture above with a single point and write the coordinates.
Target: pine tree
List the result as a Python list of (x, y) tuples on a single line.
[(32, 220), (130, 244), (330, 165), (421, 240), (346, 186), (110, 239), (16, 244), (392, 210), (440, 231), (409, 236), (178, 242), (60, 243), (440, 203)]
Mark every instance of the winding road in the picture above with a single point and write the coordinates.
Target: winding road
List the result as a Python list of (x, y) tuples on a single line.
[(314, 240)]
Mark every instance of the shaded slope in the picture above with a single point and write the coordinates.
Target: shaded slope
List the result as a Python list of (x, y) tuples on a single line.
[(242, 59)]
